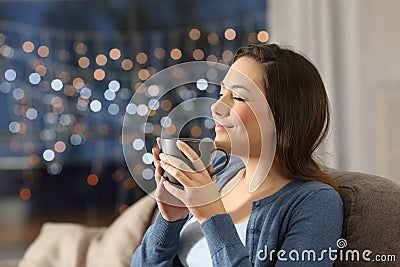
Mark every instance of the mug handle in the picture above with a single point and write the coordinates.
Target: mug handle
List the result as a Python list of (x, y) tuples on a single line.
[(225, 164)]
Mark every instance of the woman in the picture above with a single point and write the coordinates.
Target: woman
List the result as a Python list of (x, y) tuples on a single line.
[(293, 217)]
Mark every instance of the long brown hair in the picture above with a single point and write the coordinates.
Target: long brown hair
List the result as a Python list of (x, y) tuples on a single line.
[(299, 103)]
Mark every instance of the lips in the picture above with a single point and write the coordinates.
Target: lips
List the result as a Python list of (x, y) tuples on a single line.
[(220, 126)]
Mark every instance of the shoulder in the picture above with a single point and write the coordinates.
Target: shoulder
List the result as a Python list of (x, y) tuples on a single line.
[(235, 164), (316, 200), (314, 191), (303, 192)]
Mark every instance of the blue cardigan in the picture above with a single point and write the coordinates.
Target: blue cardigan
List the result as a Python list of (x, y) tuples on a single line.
[(297, 226)]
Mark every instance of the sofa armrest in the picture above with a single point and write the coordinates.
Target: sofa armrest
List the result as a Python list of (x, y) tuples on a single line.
[(371, 215)]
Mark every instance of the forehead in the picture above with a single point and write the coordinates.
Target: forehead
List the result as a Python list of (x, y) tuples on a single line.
[(247, 72)]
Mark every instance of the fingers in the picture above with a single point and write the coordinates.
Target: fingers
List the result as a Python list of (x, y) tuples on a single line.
[(156, 162), (158, 142), (194, 196), (187, 150), (191, 155), (176, 162), (164, 196), (175, 172)]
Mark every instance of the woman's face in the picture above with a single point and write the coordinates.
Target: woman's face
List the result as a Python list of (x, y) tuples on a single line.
[(242, 108)]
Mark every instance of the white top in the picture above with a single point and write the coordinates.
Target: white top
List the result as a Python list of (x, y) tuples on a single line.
[(193, 249)]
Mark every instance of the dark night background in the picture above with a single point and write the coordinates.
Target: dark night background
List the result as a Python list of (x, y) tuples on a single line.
[(88, 181)]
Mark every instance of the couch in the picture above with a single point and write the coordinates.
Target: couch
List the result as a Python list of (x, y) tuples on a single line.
[(371, 222)]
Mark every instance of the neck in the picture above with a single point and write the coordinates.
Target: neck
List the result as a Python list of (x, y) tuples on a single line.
[(261, 175)]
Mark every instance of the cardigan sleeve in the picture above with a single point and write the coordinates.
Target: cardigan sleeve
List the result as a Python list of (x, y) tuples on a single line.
[(159, 245), (225, 246)]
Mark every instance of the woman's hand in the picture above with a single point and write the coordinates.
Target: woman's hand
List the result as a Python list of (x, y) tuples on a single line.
[(200, 193), (171, 208)]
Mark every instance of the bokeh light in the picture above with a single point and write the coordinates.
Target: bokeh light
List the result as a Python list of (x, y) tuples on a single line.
[(6, 51), (153, 90), (5, 87), (10, 75), (166, 105), (213, 38), (57, 85), (109, 95), (263, 36), (101, 60), (25, 194), (142, 110), (54, 168), (202, 84), (127, 64), (117, 176), (34, 78), (92, 179), (85, 93), (194, 34), (76, 139), (176, 54), (113, 109), (41, 70), (230, 34), (48, 155), (18, 93), (138, 144), (78, 83), (84, 62), (95, 105), (114, 85), (115, 54), (99, 74), (143, 74), (31, 114), (43, 51), (148, 174), (198, 54), (80, 48), (28, 47), (227, 55), (196, 131), (159, 52), (60, 146), (131, 108), (141, 58), (147, 158)]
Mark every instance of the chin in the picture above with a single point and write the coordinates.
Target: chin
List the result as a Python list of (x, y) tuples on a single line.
[(225, 144)]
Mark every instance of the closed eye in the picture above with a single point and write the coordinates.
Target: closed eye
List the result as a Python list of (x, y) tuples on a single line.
[(235, 98), (239, 99)]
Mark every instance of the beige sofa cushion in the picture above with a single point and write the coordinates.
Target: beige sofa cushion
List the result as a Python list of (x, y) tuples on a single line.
[(61, 245), (115, 246), (75, 245)]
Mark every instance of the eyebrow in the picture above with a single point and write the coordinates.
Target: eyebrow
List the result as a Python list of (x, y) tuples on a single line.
[(235, 86)]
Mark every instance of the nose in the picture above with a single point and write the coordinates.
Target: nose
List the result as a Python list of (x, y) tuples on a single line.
[(220, 108)]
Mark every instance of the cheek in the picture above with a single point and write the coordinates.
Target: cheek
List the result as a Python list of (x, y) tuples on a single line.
[(247, 117)]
